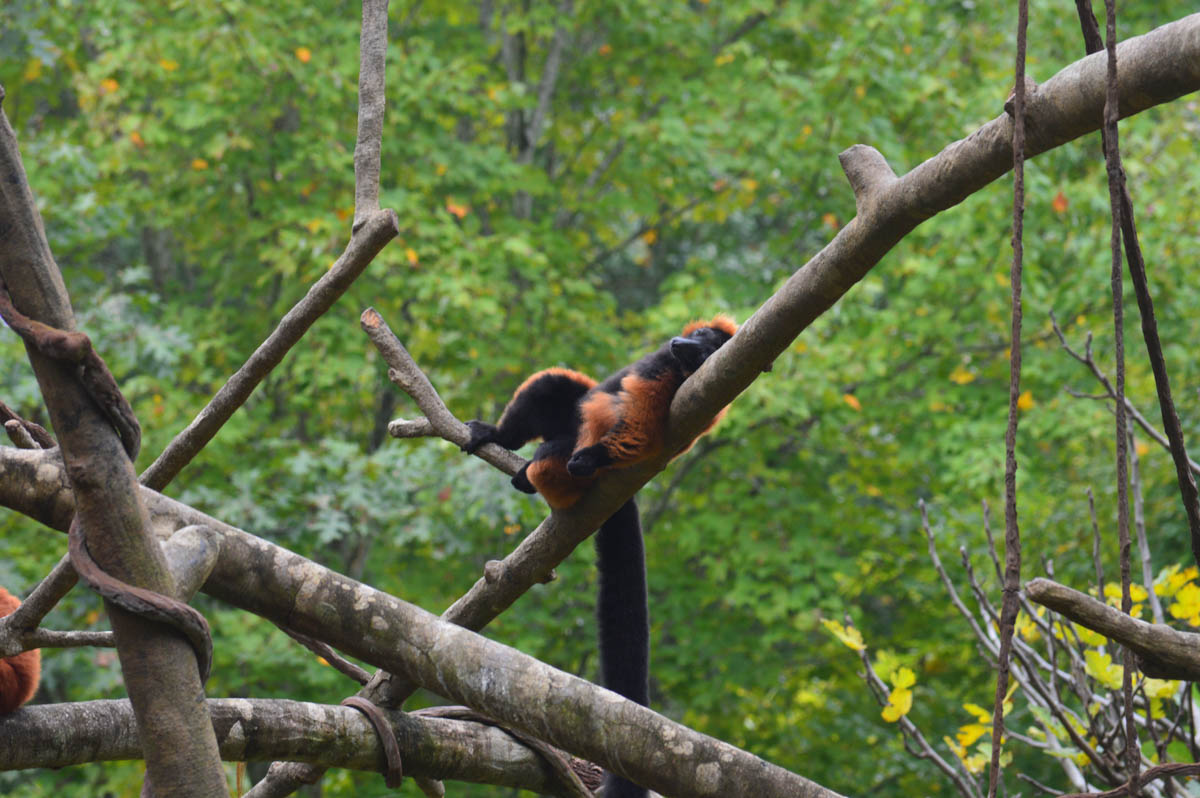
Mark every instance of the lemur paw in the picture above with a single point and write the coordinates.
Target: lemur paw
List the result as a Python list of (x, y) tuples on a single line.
[(481, 433)]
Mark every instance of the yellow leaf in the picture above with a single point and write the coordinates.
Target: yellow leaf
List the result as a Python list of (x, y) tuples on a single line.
[(977, 762), (1025, 401), (650, 236), (724, 59), (1137, 592), (303, 55), (1101, 668), (750, 185), (984, 715), (898, 705), (313, 225), (872, 490), (860, 91), (411, 254), (441, 169), (108, 86), (904, 678), (806, 130), (1088, 637), (168, 64), (1161, 688), (849, 635), (322, 660), (960, 376), (852, 400), (1143, 449), (968, 734), (199, 164)]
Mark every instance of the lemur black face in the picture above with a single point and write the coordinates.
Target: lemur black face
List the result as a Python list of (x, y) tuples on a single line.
[(695, 348)]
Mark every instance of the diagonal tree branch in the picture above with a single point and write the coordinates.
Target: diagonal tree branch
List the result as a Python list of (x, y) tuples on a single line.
[(375, 232)]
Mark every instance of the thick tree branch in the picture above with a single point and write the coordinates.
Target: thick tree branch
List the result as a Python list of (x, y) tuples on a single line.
[(260, 730), (371, 99), (157, 662), (1163, 652), (573, 714)]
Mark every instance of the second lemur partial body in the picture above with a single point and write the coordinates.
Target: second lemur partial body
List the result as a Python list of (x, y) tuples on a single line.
[(587, 428)]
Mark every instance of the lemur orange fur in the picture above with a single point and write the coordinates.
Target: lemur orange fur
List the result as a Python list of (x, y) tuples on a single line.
[(587, 428), (18, 674)]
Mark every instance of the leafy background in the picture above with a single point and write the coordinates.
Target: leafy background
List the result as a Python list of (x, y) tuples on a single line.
[(192, 162)]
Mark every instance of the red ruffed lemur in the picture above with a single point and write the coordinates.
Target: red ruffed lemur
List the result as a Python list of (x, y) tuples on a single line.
[(18, 674), (587, 428)]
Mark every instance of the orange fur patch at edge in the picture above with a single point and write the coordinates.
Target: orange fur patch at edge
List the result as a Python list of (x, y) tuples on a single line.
[(722, 322), (557, 486), (19, 674), (578, 376)]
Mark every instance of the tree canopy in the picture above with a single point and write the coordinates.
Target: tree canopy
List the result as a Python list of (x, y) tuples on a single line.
[(574, 182)]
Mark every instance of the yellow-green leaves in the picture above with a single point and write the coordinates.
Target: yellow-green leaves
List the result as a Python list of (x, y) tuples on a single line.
[(850, 636), (900, 699), (1101, 668)]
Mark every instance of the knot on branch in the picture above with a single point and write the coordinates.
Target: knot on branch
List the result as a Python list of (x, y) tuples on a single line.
[(869, 174)]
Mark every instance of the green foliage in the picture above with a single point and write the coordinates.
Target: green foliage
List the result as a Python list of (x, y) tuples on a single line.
[(193, 163)]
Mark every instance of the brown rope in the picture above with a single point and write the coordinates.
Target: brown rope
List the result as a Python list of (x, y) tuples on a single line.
[(581, 777), (75, 347), (140, 601), (98, 382), (387, 738)]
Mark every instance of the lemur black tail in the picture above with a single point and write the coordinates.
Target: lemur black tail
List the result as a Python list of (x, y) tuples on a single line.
[(623, 620)]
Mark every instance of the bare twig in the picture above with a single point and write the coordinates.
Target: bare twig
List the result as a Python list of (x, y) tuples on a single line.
[(1122, 213), (965, 784), (1136, 782), (327, 653), (52, 638), (1139, 524), (1116, 181), (405, 372), (1012, 535), (1096, 561), (1110, 393), (24, 433)]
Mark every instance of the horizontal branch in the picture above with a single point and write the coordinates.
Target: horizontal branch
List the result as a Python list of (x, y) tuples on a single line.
[(1163, 652), (261, 730), (514, 688)]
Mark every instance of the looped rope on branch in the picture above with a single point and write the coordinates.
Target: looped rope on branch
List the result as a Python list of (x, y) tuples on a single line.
[(91, 371), (140, 601), (387, 738), (580, 777)]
